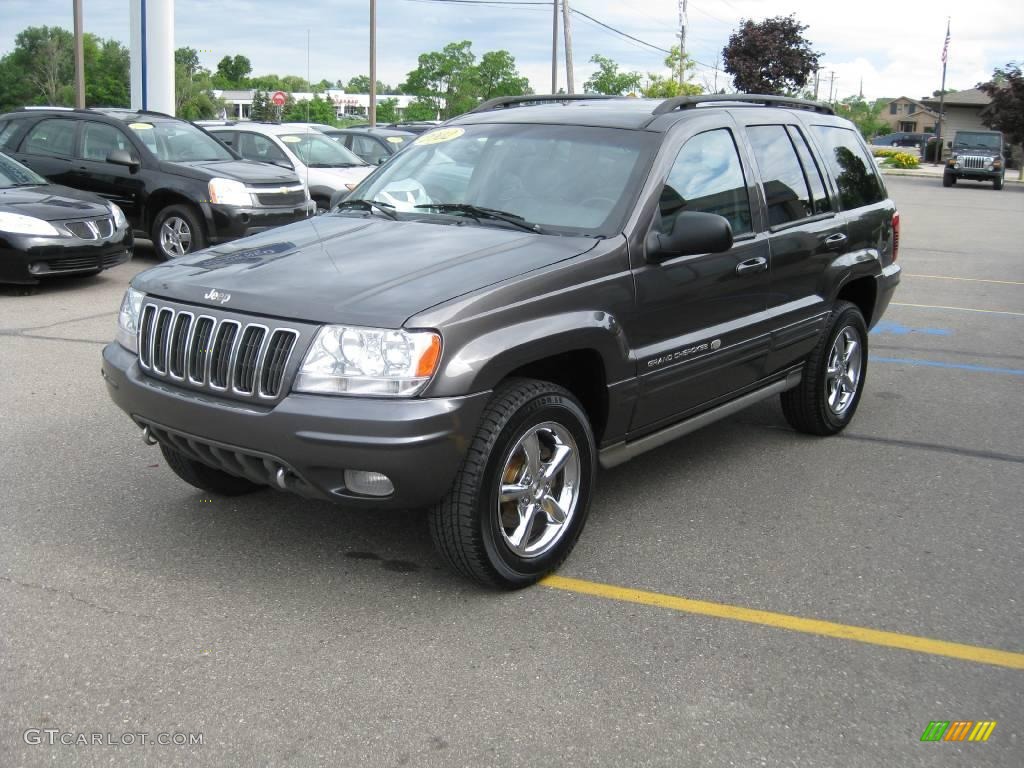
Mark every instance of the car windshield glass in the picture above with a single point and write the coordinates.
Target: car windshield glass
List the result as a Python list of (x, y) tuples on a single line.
[(319, 151), (179, 142), (564, 179), (977, 140), (14, 174)]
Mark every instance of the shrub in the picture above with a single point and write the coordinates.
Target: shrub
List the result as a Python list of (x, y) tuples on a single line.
[(902, 160), (884, 151)]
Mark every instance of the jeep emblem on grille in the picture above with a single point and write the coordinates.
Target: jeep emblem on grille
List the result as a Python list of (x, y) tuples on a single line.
[(215, 295)]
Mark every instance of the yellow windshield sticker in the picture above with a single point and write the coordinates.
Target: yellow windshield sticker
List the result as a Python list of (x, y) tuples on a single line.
[(395, 139), (290, 139), (440, 136), (140, 126)]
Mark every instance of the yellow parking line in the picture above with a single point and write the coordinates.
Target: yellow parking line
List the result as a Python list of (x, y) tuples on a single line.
[(793, 623), (966, 279), (959, 309)]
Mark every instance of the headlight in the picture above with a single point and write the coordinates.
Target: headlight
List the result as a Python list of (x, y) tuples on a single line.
[(128, 320), (229, 192), (369, 361), (119, 220), (16, 224)]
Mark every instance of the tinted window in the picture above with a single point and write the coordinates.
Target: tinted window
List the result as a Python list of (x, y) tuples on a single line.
[(318, 151), (253, 146), (175, 141), (815, 178), (369, 149), (785, 189), (852, 168), (51, 137), (14, 174), (99, 140), (707, 177)]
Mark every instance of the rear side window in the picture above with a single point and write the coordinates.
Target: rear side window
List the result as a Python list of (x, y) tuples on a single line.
[(813, 174), (51, 137), (785, 188), (707, 177), (853, 170)]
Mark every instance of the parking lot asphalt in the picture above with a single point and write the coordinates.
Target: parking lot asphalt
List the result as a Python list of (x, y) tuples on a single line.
[(288, 632)]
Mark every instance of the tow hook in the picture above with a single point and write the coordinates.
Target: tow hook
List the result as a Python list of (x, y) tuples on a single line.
[(147, 436)]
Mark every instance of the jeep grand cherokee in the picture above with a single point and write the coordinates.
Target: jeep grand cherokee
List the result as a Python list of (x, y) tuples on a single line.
[(540, 286)]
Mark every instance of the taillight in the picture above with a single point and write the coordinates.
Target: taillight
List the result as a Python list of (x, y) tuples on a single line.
[(895, 235)]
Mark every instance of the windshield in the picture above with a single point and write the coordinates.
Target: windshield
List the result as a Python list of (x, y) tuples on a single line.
[(563, 178), (318, 151), (14, 174), (179, 142), (978, 140)]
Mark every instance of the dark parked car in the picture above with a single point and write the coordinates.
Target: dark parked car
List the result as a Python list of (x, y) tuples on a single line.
[(175, 183), (900, 139), (978, 156), (374, 145), (50, 230), (599, 277)]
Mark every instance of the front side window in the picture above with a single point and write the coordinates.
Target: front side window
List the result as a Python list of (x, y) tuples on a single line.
[(14, 174), (785, 188), (369, 149), (253, 146), (707, 177), (54, 137), (100, 139), (175, 141), (851, 166), (318, 151)]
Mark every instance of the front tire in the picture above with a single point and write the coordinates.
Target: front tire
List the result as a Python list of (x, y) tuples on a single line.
[(206, 478), (948, 180), (997, 183), (521, 497), (833, 378), (177, 231)]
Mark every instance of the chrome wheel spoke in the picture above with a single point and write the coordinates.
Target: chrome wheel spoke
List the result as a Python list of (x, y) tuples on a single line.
[(531, 447), (558, 459), (852, 348), (513, 491), (520, 538), (554, 510)]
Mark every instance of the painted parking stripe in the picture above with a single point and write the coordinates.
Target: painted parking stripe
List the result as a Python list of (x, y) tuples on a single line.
[(955, 366), (959, 309), (965, 279), (785, 621)]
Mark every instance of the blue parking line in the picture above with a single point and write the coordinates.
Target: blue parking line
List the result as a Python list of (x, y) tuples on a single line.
[(956, 366)]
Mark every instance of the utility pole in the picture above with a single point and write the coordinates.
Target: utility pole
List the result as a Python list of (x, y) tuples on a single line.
[(373, 64), (817, 81), (682, 40), (567, 29), (942, 97), (79, 57), (554, 47), (831, 86)]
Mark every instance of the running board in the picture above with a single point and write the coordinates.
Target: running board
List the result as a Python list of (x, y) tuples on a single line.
[(620, 453)]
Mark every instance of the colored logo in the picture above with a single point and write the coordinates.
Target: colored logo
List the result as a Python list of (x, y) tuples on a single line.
[(958, 730)]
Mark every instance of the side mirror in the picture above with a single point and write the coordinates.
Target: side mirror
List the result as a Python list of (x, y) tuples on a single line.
[(693, 232), (122, 157)]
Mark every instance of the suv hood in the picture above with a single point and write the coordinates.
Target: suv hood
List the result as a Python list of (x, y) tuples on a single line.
[(355, 270), (241, 170)]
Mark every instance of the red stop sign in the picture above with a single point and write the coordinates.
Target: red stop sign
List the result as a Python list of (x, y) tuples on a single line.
[(279, 98)]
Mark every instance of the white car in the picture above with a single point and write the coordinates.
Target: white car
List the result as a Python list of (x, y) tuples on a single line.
[(324, 165)]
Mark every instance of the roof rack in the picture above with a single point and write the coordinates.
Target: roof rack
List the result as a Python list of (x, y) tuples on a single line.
[(503, 102), (686, 102)]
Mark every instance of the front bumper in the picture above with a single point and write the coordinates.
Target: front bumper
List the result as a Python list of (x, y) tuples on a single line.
[(24, 259), (229, 222), (977, 174), (419, 443)]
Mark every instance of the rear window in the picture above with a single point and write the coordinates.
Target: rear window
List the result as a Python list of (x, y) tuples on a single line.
[(852, 168)]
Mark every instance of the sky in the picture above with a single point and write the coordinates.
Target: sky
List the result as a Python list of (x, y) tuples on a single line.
[(893, 48)]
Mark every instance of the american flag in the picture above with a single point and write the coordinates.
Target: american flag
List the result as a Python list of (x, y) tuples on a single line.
[(945, 46)]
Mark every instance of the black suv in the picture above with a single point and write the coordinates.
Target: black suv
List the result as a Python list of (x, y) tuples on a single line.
[(175, 183), (540, 286), (978, 156)]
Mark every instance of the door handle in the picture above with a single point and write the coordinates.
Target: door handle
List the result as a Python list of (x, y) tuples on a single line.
[(749, 266), (835, 241)]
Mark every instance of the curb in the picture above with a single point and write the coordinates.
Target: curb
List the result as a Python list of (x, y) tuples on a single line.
[(930, 175)]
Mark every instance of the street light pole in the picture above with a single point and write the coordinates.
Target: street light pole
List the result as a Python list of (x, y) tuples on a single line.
[(79, 57), (567, 30), (373, 63), (554, 47)]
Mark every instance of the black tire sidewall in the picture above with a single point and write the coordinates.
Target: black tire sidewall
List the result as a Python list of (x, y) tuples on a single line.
[(850, 317), (563, 410), (194, 223)]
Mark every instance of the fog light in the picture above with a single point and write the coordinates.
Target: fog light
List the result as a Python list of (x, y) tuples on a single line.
[(368, 483)]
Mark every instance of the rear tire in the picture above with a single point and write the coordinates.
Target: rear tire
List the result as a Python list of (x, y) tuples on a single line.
[(521, 497), (177, 231), (997, 183), (833, 378), (948, 180), (206, 478)]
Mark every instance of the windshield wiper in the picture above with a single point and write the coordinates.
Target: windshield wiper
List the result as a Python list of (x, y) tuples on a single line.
[(477, 212), (370, 205)]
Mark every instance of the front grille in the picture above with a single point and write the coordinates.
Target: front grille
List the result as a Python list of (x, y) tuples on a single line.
[(287, 198), (973, 162), (92, 229), (73, 263), (221, 355)]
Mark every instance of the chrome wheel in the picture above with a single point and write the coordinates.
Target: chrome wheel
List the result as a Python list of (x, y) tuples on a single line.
[(175, 236), (845, 364), (540, 488)]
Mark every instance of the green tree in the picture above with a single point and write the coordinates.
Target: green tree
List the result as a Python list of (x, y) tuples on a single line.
[(317, 110), (444, 81), (1006, 111), (295, 84), (421, 109), (771, 56), (361, 84), (865, 115), (233, 72), (44, 57), (681, 68), (107, 68), (496, 75), (387, 111), (609, 80), (193, 88)]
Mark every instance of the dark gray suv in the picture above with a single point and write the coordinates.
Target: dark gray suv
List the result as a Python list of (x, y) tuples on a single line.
[(539, 287)]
